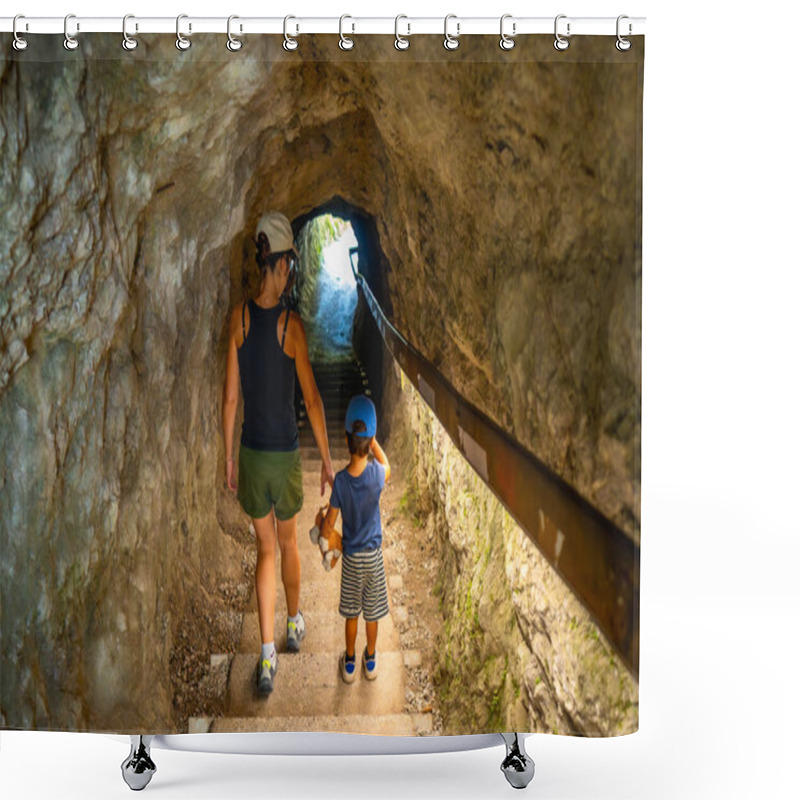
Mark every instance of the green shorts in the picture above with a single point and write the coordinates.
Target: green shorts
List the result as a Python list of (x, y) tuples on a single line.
[(270, 479)]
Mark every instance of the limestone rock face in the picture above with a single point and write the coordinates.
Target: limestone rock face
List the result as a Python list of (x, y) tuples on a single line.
[(502, 186), (536, 660)]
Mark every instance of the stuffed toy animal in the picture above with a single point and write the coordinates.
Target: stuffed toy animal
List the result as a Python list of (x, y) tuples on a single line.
[(330, 547)]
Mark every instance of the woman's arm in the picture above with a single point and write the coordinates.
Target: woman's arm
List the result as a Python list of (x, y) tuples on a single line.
[(230, 401), (311, 396)]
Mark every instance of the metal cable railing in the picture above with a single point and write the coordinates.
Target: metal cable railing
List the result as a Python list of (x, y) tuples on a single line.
[(597, 559)]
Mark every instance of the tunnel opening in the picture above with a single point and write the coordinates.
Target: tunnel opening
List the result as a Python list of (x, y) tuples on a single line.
[(338, 246), (327, 290)]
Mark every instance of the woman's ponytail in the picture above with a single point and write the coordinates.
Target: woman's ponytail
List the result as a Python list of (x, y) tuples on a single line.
[(262, 250)]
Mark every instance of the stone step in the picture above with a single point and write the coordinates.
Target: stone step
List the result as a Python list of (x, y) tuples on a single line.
[(324, 632), (337, 383), (334, 366), (310, 453), (341, 374), (341, 389), (335, 409), (333, 416), (312, 681), (383, 725), (334, 421), (337, 443)]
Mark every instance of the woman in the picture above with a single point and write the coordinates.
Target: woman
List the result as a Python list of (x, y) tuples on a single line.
[(267, 345)]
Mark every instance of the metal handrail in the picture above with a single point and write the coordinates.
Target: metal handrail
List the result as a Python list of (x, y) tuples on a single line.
[(598, 561)]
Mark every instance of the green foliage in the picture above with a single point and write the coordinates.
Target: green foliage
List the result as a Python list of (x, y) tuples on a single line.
[(316, 235)]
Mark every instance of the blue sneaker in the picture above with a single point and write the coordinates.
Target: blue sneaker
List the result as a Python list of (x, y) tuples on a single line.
[(348, 668), (295, 633), (370, 665)]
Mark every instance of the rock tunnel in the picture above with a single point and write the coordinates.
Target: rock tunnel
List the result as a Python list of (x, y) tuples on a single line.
[(482, 232)]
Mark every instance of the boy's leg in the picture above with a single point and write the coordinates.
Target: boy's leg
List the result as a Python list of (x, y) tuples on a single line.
[(290, 563), (350, 633), (372, 636), (265, 575)]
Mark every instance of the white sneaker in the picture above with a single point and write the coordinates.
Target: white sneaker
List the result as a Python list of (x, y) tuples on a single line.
[(348, 668), (370, 665), (295, 633), (266, 675)]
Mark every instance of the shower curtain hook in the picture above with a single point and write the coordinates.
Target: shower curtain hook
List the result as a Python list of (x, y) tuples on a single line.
[(400, 42), (288, 42), (234, 44), (70, 42), (561, 43), (623, 44), (507, 42), (128, 42), (451, 42), (19, 43), (345, 42), (182, 43)]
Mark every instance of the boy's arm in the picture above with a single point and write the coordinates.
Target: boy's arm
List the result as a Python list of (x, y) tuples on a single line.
[(329, 522), (380, 457)]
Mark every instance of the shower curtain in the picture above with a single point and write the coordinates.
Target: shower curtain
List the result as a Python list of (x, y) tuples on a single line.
[(468, 232)]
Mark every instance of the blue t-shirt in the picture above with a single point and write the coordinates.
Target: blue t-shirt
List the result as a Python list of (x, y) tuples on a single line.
[(359, 502)]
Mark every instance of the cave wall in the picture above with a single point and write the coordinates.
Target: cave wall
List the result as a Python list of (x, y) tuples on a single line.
[(536, 659), (114, 296), (503, 194)]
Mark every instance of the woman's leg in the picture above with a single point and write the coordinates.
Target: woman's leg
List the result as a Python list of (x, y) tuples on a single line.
[(290, 563), (265, 575)]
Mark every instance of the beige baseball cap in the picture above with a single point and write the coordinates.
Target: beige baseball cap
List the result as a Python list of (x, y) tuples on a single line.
[(278, 230)]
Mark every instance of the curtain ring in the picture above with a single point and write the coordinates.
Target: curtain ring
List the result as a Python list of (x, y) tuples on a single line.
[(450, 42), (623, 44), (70, 42), (19, 43), (182, 43), (507, 42), (345, 42), (561, 43), (128, 43), (288, 42), (400, 42), (233, 44)]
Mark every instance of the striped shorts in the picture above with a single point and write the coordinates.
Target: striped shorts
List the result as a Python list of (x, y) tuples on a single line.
[(364, 586)]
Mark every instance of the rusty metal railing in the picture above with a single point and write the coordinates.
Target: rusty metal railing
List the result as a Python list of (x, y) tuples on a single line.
[(597, 560)]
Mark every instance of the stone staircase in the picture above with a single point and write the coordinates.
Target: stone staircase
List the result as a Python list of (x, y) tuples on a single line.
[(309, 694)]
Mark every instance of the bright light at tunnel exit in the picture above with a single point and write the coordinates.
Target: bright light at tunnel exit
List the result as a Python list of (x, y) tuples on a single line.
[(336, 258), (329, 326)]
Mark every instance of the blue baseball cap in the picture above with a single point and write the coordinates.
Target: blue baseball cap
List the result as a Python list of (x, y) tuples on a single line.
[(361, 407)]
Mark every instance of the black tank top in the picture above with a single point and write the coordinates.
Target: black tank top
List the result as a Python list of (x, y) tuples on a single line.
[(267, 376)]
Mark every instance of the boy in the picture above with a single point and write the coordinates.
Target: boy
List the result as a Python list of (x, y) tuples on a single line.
[(356, 491)]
